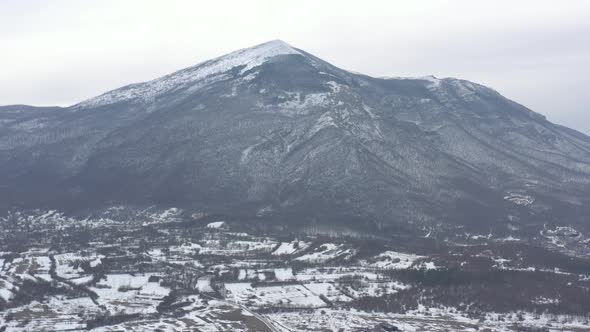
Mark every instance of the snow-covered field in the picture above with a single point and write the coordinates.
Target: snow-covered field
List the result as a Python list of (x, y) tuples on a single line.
[(393, 260), (434, 320), (284, 296), (290, 248), (126, 293), (213, 278)]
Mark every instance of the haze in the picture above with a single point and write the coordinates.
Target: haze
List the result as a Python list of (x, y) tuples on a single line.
[(534, 52)]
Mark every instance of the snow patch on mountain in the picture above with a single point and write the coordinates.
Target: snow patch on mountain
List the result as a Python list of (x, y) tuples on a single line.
[(433, 82), (323, 122), (520, 199)]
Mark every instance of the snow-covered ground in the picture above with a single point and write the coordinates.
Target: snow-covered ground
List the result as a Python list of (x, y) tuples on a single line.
[(230, 280), (284, 296), (393, 260), (129, 294), (290, 248), (326, 252)]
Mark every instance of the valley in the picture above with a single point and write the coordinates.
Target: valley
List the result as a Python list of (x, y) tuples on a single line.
[(169, 270)]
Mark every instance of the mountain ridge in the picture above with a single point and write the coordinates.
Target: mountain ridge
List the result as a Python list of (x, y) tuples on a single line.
[(273, 131)]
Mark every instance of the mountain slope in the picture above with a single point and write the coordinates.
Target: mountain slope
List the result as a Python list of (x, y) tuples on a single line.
[(275, 131)]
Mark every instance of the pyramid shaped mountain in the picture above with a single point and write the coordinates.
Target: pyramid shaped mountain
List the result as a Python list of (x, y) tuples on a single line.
[(275, 132)]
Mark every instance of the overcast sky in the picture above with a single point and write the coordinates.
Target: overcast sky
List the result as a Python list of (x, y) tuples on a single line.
[(535, 52)]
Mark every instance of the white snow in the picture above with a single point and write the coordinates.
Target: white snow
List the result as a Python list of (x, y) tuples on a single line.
[(509, 238), (96, 262), (434, 82), (323, 122), (246, 153), (129, 293), (289, 248), (6, 294), (428, 266), (500, 262), (394, 260), (66, 265), (287, 296), (81, 280), (216, 224), (252, 274), (326, 252), (204, 285), (44, 277), (544, 300), (284, 274), (519, 199)]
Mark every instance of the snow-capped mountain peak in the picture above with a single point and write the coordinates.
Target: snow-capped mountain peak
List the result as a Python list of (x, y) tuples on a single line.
[(200, 74), (271, 48), (248, 58)]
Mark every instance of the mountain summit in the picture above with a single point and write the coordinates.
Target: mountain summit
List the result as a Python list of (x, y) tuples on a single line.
[(272, 131), (208, 71)]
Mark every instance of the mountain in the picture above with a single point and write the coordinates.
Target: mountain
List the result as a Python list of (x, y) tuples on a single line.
[(274, 132)]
